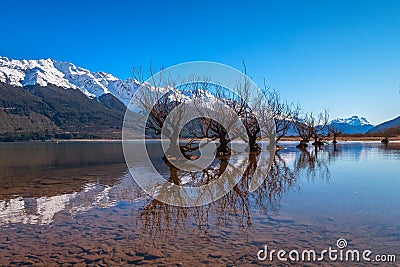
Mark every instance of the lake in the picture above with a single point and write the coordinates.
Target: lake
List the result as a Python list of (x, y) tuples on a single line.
[(75, 203)]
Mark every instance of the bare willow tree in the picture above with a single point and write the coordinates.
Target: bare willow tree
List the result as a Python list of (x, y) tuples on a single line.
[(165, 102), (319, 125), (220, 112), (220, 121), (160, 97), (250, 108), (283, 112), (255, 113), (310, 126), (335, 131), (156, 99), (242, 102)]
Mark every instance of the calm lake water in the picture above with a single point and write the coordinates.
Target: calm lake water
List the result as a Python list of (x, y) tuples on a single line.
[(75, 203)]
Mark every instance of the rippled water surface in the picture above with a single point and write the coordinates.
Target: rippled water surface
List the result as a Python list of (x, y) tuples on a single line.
[(75, 203)]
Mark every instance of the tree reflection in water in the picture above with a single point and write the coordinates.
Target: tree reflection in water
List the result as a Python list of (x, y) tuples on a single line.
[(158, 219)]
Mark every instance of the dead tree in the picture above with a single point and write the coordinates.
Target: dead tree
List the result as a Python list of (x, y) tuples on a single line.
[(303, 130), (220, 112), (319, 125), (335, 131), (156, 99), (283, 112), (309, 126)]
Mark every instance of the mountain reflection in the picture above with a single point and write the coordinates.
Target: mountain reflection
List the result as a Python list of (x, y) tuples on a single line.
[(40, 180), (74, 178)]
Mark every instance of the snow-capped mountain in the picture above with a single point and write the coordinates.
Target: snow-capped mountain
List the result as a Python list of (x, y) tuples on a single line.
[(46, 79), (352, 125), (42, 72), (353, 121)]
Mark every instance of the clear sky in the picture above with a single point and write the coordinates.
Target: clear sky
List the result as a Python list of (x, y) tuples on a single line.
[(340, 55)]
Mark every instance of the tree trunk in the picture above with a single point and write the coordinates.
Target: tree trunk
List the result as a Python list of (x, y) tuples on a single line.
[(273, 144), (334, 138), (253, 146), (173, 173), (303, 145), (223, 148), (317, 141), (174, 149)]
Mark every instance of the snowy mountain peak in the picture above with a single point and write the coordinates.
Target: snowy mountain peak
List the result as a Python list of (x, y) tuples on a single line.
[(66, 75), (353, 121), (353, 125)]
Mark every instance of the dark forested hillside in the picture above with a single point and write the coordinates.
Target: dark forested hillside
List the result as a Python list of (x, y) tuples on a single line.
[(37, 112), (391, 127)]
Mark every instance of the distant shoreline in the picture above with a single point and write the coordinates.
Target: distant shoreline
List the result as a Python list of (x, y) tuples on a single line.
[(340, 139), (348, 138)]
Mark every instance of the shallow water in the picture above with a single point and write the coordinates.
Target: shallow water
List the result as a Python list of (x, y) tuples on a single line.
[(76, 204)]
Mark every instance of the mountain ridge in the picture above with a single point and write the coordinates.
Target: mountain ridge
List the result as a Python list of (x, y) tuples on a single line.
[(42, 72), (109, 94), (392, 125), (352, 125), (35, 112), (354, 120)]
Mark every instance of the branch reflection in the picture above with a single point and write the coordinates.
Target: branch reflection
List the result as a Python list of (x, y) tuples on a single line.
[(157, 219)]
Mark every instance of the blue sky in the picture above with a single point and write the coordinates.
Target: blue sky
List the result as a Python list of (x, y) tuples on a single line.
[(340, 55)]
